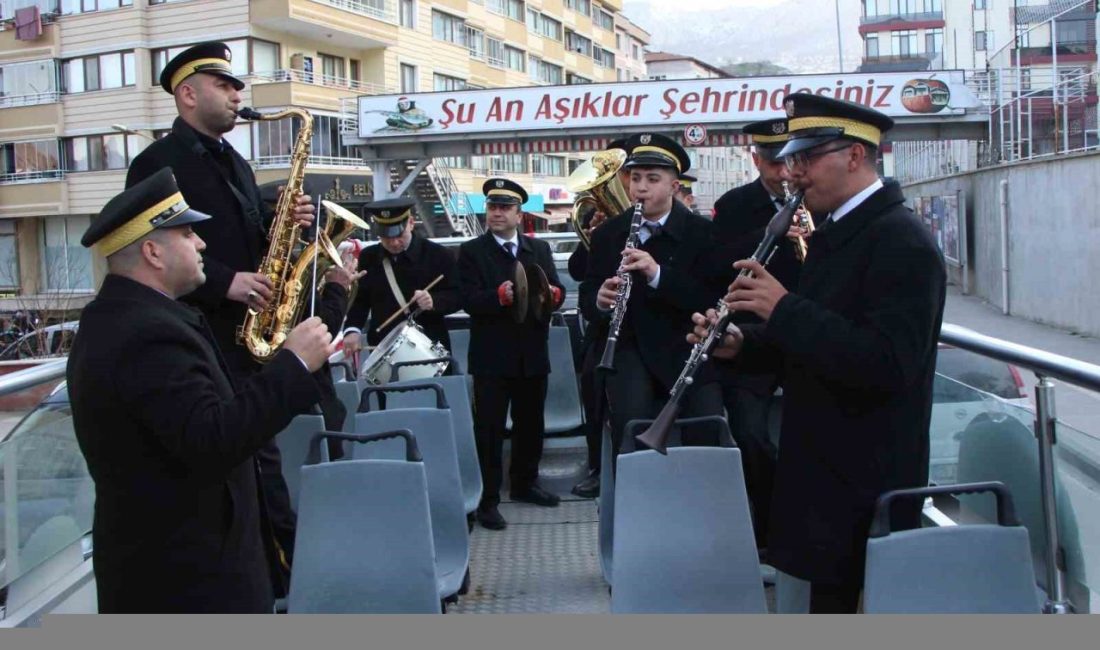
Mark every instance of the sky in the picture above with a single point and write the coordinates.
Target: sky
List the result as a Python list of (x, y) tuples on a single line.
[(799, 34)]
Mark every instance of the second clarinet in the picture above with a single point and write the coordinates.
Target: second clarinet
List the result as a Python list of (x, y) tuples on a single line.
[(622, 296)]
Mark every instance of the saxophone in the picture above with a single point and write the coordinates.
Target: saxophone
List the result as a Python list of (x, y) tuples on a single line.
[(264, 331)]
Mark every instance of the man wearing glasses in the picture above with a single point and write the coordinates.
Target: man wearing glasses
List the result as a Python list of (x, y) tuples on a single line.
[(855, 345)]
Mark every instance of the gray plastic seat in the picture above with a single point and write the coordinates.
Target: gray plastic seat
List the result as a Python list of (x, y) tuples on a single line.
[(683, 540), (460, 349), (432, 430), (456, 390), (564, 411), (606, 498), (379, 561), (348, 394), (967, 569), (294, 447)]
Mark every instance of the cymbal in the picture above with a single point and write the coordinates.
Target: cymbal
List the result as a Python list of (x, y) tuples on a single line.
[(519, 292), (540, 297)]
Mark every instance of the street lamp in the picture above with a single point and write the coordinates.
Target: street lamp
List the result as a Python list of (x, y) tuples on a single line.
[(839, 50), (122, 128)]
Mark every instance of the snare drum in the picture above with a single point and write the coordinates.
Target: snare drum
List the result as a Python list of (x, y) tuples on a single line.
[(407, 342)]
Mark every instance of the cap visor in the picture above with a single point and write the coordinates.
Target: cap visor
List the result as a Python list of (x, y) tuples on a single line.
[(769, 153), (795, 145), (188, 216), (237, 83), (648, 160), (502, 200), (392, 230)]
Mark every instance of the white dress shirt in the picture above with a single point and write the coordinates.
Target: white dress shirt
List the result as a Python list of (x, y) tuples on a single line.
[(855, 201)]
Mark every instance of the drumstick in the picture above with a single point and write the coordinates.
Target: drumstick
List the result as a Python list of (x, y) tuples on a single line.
[(402, 309)]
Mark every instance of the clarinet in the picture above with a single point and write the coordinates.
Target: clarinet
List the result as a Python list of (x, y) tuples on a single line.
[(622, 296), (656, 436)]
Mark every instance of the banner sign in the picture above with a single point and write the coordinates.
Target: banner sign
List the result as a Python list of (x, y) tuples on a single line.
[(653, 103)]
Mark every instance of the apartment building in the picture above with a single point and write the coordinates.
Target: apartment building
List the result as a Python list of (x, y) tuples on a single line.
[(719, 169), (79, 97), (631, 42)]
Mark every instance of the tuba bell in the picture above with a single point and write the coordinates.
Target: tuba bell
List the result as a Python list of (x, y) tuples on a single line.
[(598, 189)]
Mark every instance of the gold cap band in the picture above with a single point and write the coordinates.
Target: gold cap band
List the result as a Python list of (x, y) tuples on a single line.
[(389, 221), (141, 225), (770, 139), (853, 128), (198, 65), (666, 152), (505, 193)]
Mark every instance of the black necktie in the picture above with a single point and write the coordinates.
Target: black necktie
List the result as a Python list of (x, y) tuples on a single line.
[(654, 228), (510, 247)]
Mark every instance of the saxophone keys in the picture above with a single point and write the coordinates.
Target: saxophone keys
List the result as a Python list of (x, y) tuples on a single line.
[(690, 380)]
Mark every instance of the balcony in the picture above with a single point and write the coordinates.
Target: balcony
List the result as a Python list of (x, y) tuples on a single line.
[(33, 99), (1068, 51), (30, 121), (917, 20), (46, 46), (34, 193), (278, 162), (309, 89), (901, 62), (359, 24)]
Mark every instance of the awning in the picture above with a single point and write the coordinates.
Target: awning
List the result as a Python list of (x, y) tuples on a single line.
[(534, 202)]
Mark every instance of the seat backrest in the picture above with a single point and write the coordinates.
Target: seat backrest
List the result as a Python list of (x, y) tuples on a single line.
[(348, 394), (460, 349), (970, 569), (456, 389), (564, 411), (294, 445), (435, 438), (683, 539), (379, 561)]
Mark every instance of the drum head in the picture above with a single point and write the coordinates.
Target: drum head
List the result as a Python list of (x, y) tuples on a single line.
[(519, 292), (540, 298)]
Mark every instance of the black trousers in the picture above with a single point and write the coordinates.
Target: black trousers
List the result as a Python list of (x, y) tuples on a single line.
[(748, 417), (593, 430), (634, 393), (492, 396), (828, 598)]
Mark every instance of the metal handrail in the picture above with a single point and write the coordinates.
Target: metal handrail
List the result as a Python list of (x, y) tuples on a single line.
[(31, 377), (1043, 363)]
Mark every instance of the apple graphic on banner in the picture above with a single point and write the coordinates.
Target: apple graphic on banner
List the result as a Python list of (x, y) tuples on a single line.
[(925, 95)]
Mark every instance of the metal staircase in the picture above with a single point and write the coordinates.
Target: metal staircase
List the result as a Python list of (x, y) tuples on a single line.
[(454, 202)]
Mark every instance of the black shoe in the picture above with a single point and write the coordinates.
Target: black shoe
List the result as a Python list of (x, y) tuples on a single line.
[(589, 488), (490, 518), (536, 495)]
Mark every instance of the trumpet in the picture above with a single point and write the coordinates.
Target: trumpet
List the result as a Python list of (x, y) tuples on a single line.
[(656, 436), (805, 221), (622, 296)]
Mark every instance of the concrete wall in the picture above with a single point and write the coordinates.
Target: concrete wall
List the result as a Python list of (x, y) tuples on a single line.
[(1053, 226)]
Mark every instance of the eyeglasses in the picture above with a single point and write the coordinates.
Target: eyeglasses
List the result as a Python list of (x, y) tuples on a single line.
[(802, 158)]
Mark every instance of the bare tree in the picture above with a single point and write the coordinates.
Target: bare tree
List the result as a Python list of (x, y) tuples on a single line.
[(52, 300)]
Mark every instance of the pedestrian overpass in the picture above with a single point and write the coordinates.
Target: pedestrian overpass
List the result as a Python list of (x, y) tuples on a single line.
[(392, 130)]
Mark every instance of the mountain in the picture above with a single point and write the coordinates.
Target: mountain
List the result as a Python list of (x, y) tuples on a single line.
[(796, 34), (754, 69)]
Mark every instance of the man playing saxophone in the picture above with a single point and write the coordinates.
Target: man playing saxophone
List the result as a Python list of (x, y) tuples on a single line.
[(217, 180), (671, 268)]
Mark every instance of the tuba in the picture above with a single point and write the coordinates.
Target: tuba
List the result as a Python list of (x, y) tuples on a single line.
[(264, 331), (596, 182)]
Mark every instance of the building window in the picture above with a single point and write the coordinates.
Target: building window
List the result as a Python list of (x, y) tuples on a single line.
[(495, 52), (66, 265), (870, 45), (99, 152), (31, 82), (98, 72), (574, 42), (446, 27), (1025, 79), (905, 42), (515, 59), (512, 163), (455, 162), (332, 69), (265, 56), (85, 6), (408, 78), (543, 25), (933, 41), (444, 82), (604, 58), (604, 20), (164, 2), (29, 160), (9, 256), (547, 165), (979, 4), (408, 13), (983, 40), (475, 42), (513, 9), (543, 72), (275, 141), (574, 79), (580, 6), (634, 51), (619, 41)]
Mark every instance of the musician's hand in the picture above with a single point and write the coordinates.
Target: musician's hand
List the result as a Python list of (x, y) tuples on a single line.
[(730, 343), (303, 209), (353, 342), (636, 259), (598, 217), (311, 342), (342, 276), (605, 298), (758, 294), (505, 294), (796, 231), (253, 289), (423, 299)]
